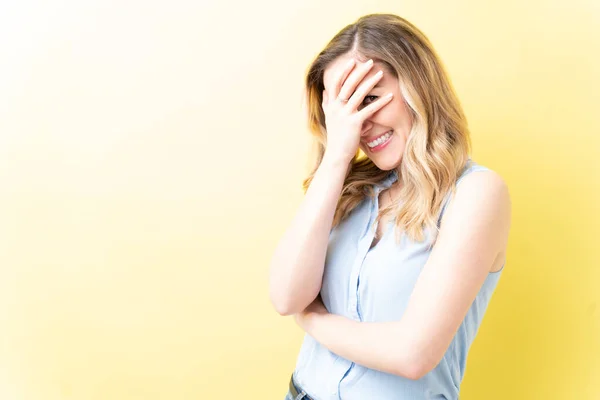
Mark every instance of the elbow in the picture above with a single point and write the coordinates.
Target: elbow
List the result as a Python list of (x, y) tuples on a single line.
[(283, 304), (286, 305), (279, 298), (417, 354), (412, 366), (282, 308), (417, 372), (410, 371), (286, 301)]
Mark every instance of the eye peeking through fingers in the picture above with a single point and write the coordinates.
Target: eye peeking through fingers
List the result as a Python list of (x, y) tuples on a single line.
[(369, 99)]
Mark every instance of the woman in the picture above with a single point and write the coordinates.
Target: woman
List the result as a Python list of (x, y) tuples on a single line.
[(393, 256)]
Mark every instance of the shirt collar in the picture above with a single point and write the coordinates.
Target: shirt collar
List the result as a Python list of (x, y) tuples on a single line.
[(386, 182)]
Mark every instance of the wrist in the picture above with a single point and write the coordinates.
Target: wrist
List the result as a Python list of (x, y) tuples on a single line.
[(336, 161), (310, 320)]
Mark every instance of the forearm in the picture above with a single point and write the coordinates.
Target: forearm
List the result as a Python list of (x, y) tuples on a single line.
[(296, 269), (375, 345)]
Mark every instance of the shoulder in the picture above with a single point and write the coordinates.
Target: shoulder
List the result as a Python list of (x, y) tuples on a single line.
[(476, 184), (482, 181), (483, 189), (482, 201)]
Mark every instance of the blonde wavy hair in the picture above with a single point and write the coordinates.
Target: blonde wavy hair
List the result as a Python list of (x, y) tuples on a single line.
[(439, 142)]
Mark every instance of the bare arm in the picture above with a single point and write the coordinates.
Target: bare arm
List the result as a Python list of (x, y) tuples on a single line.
[(473, 233), (296, 270)]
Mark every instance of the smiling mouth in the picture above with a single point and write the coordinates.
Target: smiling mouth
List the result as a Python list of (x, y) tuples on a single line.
[(381, 139)]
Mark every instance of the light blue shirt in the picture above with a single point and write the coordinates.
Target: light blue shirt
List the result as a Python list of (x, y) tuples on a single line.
[(374, 285)]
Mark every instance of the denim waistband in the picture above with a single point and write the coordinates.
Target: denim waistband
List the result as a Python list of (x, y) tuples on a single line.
[(297, 392)]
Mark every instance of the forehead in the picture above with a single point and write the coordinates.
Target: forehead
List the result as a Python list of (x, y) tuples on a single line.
[(335, 68)]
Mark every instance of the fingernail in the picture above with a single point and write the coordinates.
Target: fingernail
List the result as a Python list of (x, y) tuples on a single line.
[(370, 61)]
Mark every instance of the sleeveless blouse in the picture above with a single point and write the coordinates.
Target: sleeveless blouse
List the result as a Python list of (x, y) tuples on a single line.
[(374, 285)]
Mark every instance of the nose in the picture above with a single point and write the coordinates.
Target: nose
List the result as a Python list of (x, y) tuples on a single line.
[(366, 127)]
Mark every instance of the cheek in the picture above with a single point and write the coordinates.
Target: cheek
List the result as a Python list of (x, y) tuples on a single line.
[(399, 114), (391, 114)]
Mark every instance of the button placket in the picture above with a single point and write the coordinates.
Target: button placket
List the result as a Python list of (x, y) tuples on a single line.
[(364, 246)]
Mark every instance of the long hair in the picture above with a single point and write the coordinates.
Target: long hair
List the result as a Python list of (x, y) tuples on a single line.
[(438, 144)]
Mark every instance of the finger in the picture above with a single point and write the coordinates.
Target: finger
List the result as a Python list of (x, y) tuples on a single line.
[(375, 106), (353, 80), (358, 96), (341, 77)]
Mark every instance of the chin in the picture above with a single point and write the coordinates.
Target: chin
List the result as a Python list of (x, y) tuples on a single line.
[(388, 167), (386, 163)]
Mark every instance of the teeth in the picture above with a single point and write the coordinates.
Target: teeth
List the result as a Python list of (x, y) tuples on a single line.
[(380, 140)]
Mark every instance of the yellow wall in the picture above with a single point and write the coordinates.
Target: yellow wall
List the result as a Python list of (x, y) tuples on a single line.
[(151, 153)]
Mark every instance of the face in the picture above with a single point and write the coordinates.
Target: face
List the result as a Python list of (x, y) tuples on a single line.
[(394, 116)]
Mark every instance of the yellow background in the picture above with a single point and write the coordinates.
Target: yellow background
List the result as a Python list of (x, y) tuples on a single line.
[(152, 153)]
